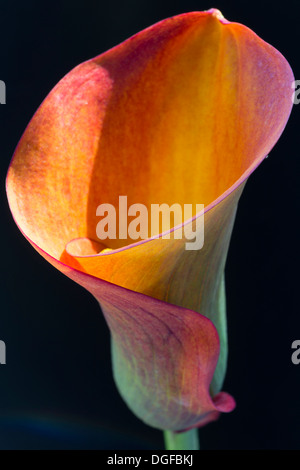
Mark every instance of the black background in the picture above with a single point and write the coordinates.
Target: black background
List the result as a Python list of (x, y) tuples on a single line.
[(56, 390)]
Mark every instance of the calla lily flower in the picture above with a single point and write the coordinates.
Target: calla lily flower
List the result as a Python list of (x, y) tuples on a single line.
[(180, 113)]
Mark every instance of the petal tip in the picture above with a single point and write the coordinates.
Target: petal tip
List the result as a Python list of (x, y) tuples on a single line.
[(217, 14), (224, 402)]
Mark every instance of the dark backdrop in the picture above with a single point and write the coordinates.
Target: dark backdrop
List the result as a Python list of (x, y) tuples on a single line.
[(56, 390)]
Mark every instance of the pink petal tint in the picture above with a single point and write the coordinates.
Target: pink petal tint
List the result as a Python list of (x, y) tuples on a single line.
[(182, 112)]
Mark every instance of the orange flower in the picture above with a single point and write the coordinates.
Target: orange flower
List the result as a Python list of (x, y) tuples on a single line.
[(182, 112)]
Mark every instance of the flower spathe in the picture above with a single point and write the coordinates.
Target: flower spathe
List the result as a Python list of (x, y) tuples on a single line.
[(182, 112)]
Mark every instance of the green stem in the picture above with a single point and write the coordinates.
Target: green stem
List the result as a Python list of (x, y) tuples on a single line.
[(187, 440)]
